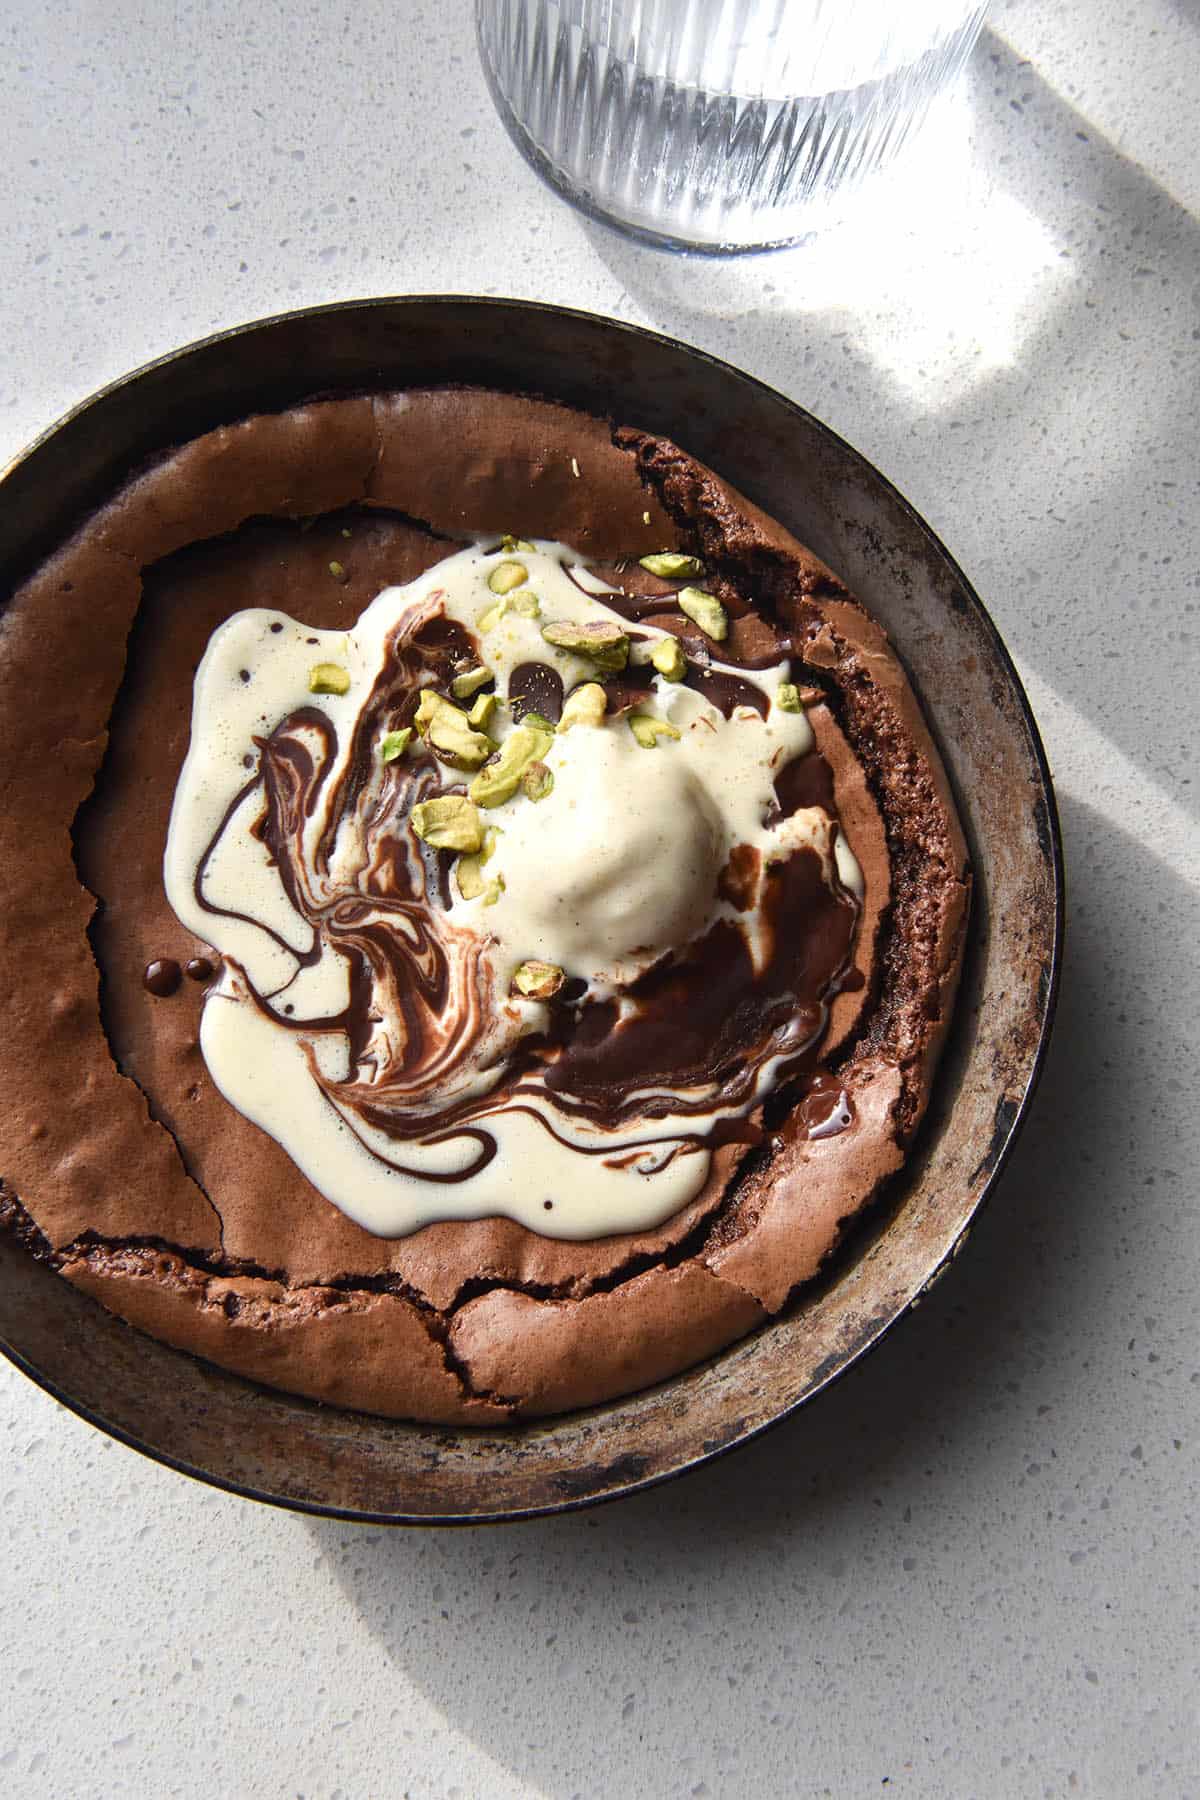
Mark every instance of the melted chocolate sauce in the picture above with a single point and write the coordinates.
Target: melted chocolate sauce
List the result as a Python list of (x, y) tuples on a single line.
[(726, 692), (536, 687), (805, 781), (826, 1110), (630, 688), (696, 1030), (706, 1017)]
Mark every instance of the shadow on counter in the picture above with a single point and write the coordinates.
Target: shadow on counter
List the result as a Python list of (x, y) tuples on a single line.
[(953, 349)]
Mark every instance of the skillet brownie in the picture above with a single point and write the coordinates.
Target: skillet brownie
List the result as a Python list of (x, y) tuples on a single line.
[(481, 906)]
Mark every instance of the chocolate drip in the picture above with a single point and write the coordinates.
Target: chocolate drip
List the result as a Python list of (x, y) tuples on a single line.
[(162, 977)]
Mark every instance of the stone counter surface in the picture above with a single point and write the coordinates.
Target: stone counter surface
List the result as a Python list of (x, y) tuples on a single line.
[(970, 1569)]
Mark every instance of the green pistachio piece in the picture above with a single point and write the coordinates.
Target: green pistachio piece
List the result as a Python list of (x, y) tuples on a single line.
[(468, 873), (338, 572), (526, 603), (669, 659), (506, 576), (448, 732), (705, 610), (508, 544), (427, 708), (787, 697), (499, 779), (328, 678), (538, 980), (448, 822), (538, 780), (394, 744), (470, 682), (489, 620), (538, 720), (584, 705), (480, 715), (602, 641), (473, 885), (647, 730), (671, 564)]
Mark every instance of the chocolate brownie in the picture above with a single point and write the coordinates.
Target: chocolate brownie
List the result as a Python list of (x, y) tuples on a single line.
[(804, 1064)]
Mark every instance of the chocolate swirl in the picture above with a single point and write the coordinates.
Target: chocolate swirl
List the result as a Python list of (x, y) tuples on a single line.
[(432, 1045)]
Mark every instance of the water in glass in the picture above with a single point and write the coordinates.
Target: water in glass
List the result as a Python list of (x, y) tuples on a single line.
[(718, 124)]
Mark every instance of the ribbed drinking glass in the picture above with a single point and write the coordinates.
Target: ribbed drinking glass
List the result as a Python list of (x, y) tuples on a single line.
[(718, 124)]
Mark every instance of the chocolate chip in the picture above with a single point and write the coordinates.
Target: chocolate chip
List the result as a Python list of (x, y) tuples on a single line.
[(162, 977), (535, 687), (199, 969)]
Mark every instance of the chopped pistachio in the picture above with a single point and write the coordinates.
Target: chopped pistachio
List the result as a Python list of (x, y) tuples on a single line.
[(526, 603), (498, 780), (338, 572), (508, 544), (468, 873), (506, 576), (449, 733), (473, 885), (647, 729), (669, 659), (575, 467), (489, 620), (602, 641), (538, 720), (448, 822), (705, 609), (538, 980), (585, 705), (787, 697), (328, 678), (394, 744), (470, 682), (538, 780), (345, 531), (671, 564), (645, 518), (480, 715)]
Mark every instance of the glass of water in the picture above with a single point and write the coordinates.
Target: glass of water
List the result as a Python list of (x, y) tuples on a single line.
[(718, 125)]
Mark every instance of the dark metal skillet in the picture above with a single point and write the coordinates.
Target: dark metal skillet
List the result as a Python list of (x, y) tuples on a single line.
[(275, 1447)]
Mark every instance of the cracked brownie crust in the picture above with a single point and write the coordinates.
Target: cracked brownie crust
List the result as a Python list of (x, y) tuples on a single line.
[(121, 1163)]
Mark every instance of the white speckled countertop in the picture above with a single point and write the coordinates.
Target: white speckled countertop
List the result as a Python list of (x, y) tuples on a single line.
[(969, 1570)]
